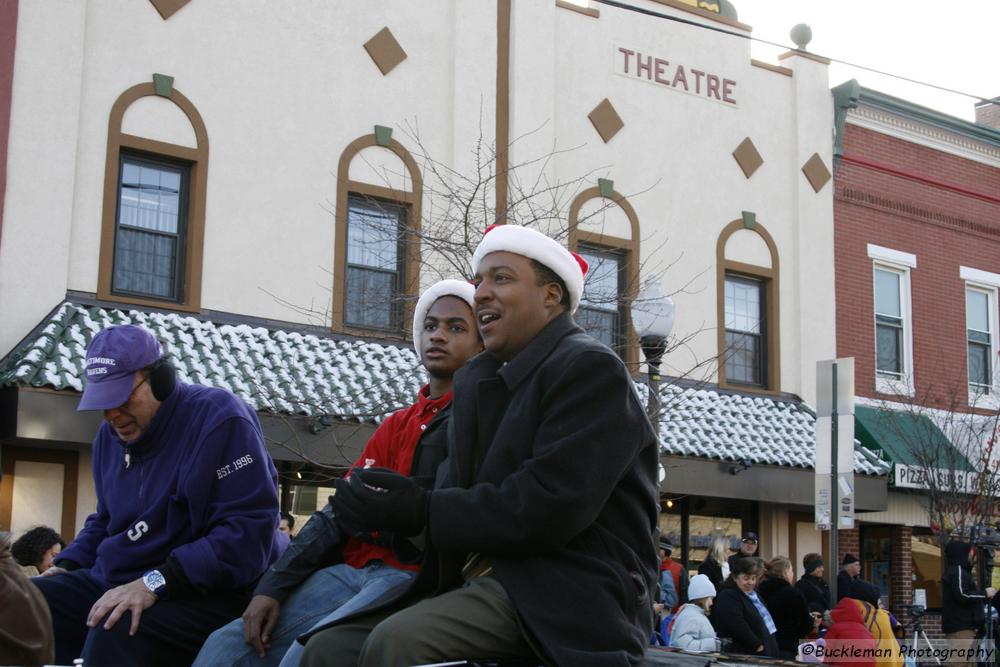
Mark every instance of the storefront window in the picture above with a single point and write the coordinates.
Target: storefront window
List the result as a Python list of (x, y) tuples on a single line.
[(926, 553), (876, 558)]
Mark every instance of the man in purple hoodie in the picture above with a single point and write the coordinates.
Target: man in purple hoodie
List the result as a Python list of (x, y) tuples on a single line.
[(186, 518)]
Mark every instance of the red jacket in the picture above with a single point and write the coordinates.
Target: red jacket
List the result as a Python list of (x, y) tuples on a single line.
[(675, 571), (848, 641), (392, 446)]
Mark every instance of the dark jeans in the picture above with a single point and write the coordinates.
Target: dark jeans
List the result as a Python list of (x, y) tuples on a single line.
[(170, 632)]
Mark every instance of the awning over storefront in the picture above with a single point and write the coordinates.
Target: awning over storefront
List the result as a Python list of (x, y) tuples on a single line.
[(754, 447), (913, 444)]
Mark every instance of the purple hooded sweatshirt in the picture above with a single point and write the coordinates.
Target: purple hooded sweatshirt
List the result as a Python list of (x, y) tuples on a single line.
[(197, 492)]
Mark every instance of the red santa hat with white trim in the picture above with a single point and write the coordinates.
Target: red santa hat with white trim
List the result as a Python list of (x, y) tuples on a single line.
[(537, 246), (457, 288)]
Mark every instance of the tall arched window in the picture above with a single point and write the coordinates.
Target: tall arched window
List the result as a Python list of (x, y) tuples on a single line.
[(377, 253), (605, 230), (153, 223), (747, 289)]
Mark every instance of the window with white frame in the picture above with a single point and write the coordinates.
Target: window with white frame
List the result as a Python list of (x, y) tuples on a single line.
[(981, 335), (889, 323), (893, 325), (746, 331)]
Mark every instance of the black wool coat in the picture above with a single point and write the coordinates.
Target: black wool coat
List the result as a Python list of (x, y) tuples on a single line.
[(790, 612), (735, 616), (845, 585), (816, 590), (713, 571), (552, 476)]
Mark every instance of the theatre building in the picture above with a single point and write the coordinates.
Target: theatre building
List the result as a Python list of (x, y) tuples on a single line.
[(917, 221), (267, 186)]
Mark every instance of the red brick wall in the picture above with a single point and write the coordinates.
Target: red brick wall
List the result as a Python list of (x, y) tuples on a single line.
[(943, 227), (901, 566), (848, 542)]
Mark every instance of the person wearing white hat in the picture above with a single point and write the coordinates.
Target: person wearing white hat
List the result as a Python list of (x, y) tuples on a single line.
[(542, 516), (327, 573), (691, 630)]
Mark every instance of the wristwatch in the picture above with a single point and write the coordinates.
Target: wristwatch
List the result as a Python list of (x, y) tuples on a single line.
[(155, 582)]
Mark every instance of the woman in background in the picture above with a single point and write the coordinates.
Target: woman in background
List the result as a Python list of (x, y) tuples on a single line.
[(787, 605), (35, 550), (715, 565)]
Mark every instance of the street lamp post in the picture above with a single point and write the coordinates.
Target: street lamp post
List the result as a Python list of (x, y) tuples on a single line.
[(653, 318)]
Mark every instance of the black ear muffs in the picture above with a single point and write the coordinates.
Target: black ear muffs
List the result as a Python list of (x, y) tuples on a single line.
[(162, 379)]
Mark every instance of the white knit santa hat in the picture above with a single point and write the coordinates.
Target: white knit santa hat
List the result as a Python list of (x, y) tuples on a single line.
[(537, 246), (458, 288)]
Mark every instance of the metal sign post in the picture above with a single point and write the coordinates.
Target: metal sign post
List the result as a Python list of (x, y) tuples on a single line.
[(834, 453)]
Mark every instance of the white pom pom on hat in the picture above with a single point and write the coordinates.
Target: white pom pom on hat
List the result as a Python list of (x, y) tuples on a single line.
[(537, 246), (457, 288)]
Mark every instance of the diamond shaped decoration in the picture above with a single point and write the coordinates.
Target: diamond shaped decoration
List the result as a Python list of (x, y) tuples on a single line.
[(167, 8), (816, 172), (385, 51), (747, 157), (606, 120)]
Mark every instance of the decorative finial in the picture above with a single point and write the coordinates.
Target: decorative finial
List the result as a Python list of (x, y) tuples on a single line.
[(801, 34)]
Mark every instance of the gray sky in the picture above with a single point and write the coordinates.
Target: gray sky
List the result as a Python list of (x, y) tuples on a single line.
[(952, 44)]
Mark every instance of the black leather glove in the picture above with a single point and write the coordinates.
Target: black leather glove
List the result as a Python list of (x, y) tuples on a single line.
[(380, 499)]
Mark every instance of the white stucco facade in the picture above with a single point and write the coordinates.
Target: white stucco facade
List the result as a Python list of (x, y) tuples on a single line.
[(283, 88)]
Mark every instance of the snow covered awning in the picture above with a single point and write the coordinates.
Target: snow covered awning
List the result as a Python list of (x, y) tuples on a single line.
[(274, 371), (703, 422), (292, 373)]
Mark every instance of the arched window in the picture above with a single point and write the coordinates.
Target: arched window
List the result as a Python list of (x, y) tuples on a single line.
[(153, 222), (605, 230), (376, 253), (747, 289)]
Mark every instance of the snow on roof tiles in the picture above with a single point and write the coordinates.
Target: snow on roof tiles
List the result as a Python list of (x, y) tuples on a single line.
[(710, 424), (273, 371), (295, 373)]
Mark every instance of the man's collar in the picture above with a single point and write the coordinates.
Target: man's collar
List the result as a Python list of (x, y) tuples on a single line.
[(525, 361), (425, 402)]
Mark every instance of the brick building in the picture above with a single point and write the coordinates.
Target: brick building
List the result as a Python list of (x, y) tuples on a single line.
[(917, 256)]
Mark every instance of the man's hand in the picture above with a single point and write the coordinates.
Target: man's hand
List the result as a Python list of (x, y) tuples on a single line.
[(259, 619), (52, 571), (990, 592), (380, 499), (133, 597)]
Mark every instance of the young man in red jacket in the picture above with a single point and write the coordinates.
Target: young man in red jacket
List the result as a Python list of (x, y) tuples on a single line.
[(326, 574)]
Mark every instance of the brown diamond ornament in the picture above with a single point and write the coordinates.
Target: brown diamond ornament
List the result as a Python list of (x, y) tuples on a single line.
[(166, 8), (816, 172), (606, 120), (747, 157), (385, 50)]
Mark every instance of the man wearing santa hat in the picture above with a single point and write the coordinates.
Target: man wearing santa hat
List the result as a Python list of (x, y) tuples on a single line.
[(540, 530)]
